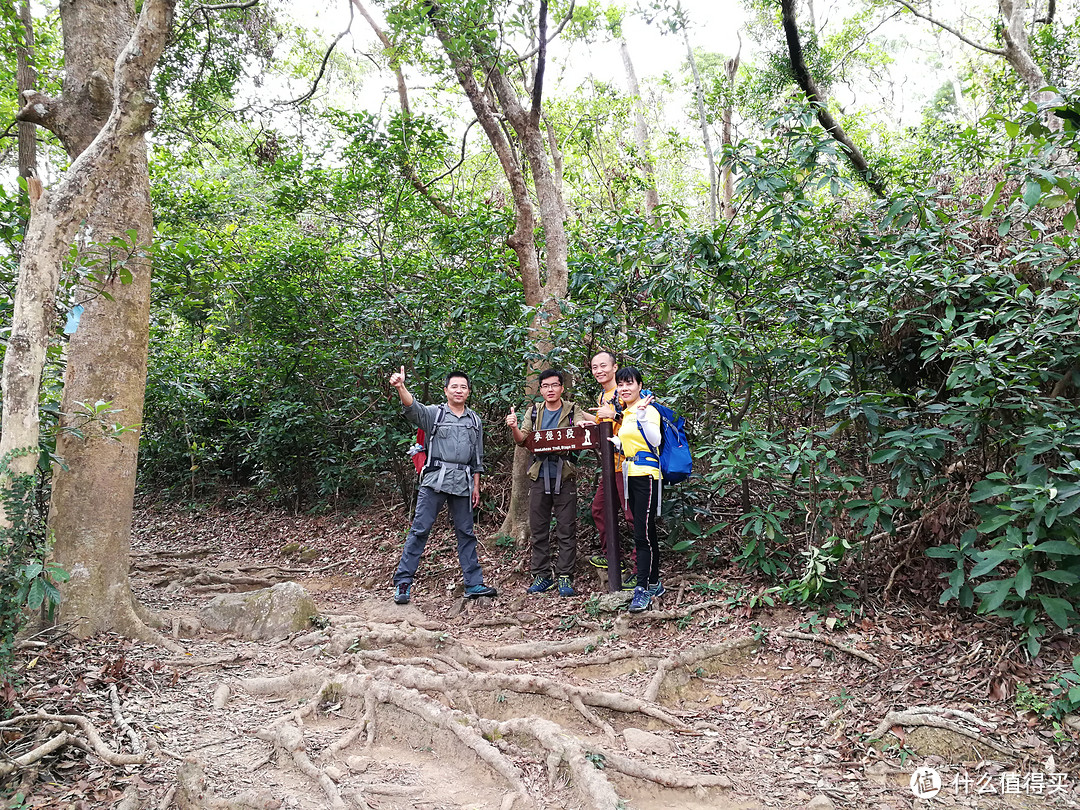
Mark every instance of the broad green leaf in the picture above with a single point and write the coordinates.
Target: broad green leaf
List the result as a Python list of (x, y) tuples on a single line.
[(990, 560), (1032, 193), (1057, 609)]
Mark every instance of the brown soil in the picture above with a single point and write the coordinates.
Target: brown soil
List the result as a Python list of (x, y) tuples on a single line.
[(416, 707)]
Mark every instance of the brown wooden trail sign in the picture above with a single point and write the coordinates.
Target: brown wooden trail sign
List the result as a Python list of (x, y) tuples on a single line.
[(590, 437)]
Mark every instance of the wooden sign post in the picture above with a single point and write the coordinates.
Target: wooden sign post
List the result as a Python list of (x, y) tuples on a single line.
[(590, 437)]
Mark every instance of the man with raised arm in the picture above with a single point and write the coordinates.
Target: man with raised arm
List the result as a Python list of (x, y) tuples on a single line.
[(451, 475)]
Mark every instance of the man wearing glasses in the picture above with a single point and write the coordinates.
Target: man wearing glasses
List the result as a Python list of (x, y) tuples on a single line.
[(553, 490)]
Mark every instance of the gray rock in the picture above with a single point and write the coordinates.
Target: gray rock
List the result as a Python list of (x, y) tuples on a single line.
[(611, 602), (821, 802), (643, 742), (269, 613)]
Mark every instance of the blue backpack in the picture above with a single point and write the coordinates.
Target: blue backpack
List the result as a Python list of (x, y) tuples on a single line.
[(675, 461)]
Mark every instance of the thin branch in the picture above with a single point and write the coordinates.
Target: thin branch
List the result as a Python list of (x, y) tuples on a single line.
[(816, 98), (1050, 9), (541, 61), (951, 30), (453, 168), (326, 58), (227, 6), (543, 42)]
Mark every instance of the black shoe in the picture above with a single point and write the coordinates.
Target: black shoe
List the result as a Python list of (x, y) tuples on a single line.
[(474, 591)]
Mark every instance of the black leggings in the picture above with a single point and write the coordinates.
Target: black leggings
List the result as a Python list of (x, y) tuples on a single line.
[(641, 491)]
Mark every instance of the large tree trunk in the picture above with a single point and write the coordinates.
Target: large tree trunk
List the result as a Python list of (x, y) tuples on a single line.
[(543, 291), (101, 118), (92, 495)]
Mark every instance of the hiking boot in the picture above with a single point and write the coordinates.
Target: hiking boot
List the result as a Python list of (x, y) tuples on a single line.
[(629, 582), (598, 561), (474, 591), (657, 589), (641, 600), (565, 588), (540, 584), (403, 593)]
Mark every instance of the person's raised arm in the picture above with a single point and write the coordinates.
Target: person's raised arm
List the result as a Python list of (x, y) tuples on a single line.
[(512, 423), (397, 380), (648, 424)]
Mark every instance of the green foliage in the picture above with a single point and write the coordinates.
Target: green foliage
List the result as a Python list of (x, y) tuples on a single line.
[(27, 579), (1065, 689)]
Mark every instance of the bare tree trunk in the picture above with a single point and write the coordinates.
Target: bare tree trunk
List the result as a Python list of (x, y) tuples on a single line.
[(700, 93), (25, 79), (641, 132), (731, 67), (1017, 50), (101, 120)]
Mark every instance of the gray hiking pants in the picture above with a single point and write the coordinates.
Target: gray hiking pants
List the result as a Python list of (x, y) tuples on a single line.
[(428, 504)]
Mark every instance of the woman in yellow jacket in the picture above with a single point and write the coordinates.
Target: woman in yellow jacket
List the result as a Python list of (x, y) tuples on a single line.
[(639, 438)]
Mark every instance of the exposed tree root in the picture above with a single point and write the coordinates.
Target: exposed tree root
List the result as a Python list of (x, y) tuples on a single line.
[(288, 741), (688, 658), (439, 663), (67, 723), (934, 717), (372, 636), (588, 765), (608, 658), (118, 716), (533, 650), (676, 614), (865, 656), (35, 755), (424, 681), (194, 793)]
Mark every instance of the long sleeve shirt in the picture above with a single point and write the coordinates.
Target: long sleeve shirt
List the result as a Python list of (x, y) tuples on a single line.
[(458, 443)]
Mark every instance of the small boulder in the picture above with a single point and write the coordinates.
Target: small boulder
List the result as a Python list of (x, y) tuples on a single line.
[(644, 742), (821, 802), (275, 612), (611, 602)]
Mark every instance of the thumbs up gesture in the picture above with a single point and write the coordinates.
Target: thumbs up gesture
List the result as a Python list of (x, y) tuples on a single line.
[(511, 419), (397, 379)]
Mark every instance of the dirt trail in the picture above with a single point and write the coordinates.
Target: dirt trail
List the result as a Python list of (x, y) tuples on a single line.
[(536, 701)]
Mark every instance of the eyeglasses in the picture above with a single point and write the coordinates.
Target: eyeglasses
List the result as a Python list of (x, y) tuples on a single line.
[(550, 386)]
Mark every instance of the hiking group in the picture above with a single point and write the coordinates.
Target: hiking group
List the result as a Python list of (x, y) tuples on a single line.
[(450, 474)]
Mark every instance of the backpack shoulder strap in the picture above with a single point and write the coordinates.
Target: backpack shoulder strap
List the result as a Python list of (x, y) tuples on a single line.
[(440, 416)]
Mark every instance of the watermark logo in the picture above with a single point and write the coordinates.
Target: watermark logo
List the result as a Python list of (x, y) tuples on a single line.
[(925, 783)]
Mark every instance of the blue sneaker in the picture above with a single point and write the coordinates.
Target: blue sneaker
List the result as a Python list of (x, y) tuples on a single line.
[(657, 589), (474, 591), (641, 600), (540, 584), (403, 593), (565, 588)]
